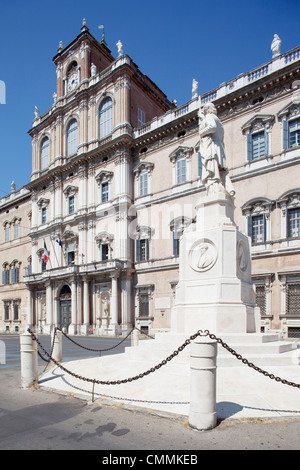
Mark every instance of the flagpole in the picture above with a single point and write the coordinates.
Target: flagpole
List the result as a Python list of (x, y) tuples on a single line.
[(45, 248), (54, 251)]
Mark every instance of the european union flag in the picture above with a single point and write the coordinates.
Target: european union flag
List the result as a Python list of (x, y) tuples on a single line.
[(58, 240)]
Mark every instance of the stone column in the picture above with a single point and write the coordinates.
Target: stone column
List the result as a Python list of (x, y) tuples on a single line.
[(57, 346), (202, 414), (29, 360)]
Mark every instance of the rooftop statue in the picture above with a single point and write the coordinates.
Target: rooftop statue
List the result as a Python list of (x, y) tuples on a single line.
[(215, 172), (276, 46)]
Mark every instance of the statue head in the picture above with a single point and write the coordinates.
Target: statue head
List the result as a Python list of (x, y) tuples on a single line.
[(209, 108)]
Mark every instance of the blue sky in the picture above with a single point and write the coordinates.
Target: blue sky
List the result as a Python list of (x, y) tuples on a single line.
[(171, 41)]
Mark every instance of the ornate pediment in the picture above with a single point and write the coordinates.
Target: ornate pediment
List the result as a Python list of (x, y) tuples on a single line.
[(70, 190), (143, 167), (291, 110), (181, 152), (42, 202), (104, 176), (290, 199), (258, 206), (68, 234), (258, 122)]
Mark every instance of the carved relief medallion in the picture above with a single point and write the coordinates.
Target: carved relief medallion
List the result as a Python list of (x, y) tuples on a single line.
[(242, 256), (203, 255)]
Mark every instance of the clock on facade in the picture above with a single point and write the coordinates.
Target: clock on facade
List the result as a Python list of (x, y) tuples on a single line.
[(73, 81)]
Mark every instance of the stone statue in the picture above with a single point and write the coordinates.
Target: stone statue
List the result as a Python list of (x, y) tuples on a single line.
[(36, 112), (93, 70), (276, 46), (195, 88), (215, 173), (105, 307), (120, 48)]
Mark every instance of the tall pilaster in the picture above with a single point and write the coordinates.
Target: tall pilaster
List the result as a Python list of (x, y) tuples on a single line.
[(122, 204), (49, 306), (73, 326), (114, 302)]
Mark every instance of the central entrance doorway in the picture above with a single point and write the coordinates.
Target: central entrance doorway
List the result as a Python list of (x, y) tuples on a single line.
[(65, 307)]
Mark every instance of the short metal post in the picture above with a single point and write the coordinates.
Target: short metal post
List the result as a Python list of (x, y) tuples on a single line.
[(135, 337), (57, 346), (29, 360), (202, 414)]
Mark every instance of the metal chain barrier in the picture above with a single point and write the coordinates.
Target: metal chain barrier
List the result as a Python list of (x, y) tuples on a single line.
[(90, 349), (165, 361)]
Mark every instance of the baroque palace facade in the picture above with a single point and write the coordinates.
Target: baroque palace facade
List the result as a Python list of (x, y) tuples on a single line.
[(91, 243)]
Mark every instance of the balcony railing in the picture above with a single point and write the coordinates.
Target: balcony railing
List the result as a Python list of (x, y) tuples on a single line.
[(95, 267)]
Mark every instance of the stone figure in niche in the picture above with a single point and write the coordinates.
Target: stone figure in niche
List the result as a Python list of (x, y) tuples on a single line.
[(215, 173), (105, 306), (276, 46)]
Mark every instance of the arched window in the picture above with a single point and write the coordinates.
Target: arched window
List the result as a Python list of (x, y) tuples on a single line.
[(105, 118), (45, 153), (72, 138)]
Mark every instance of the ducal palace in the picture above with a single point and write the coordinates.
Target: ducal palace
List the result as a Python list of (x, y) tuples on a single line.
[(91, 244)]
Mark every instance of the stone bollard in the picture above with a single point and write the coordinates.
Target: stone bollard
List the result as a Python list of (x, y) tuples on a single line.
[(202, 414), (57, 346), (135, 338), (29, 360)]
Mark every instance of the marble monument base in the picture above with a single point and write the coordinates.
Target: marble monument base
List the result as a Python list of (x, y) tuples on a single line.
[(215, 291)]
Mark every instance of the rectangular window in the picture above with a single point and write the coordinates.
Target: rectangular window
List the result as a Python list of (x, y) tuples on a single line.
[(70, 257), (7, 233), (258, 145), (104, 192), (293, 222), (294, 133), (293, 299), (5, 276), (71, 202), (72, 138), (176, 241), (43, 215), (261, 299), (6, 311), (142, 250), (293, 332), (15, 311), (141, 118), (104, 252), (181, 171), (257, 228), (16, 230), (143, 305), (143, 183), (14, 275)]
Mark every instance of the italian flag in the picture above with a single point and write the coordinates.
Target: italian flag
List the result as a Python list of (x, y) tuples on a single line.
[(46, 253)]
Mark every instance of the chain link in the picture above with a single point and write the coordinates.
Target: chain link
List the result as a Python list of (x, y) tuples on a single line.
[(165, 361)]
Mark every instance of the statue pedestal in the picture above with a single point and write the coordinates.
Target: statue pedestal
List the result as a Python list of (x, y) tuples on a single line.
[(215, 291)]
